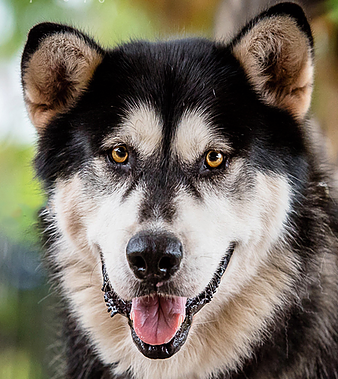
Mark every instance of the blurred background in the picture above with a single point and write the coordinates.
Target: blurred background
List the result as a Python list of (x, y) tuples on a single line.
[(27, 304)]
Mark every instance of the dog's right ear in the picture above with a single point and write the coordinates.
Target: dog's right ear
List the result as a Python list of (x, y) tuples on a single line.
[(57, 65), (276, 52)]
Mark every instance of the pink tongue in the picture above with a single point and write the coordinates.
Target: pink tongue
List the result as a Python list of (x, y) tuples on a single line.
[(157, 318)]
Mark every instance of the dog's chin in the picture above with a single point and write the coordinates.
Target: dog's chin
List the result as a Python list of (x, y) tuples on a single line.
[(116, 305)]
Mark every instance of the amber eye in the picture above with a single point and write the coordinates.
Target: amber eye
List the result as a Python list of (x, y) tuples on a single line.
[(214, 159), (119, 154)]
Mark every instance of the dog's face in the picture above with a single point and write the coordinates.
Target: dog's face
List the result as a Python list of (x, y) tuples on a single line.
[(171, 166)]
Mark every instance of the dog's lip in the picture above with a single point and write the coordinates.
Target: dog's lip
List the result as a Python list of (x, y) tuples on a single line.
[(116, 305)]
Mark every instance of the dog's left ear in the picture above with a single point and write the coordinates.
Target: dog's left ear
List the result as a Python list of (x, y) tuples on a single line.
[(276, 52)]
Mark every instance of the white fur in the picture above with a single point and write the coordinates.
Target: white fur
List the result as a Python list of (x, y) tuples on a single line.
[(195, 135), (141, 129)]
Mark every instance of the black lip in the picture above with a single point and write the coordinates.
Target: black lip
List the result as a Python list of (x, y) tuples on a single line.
[(116, 305)]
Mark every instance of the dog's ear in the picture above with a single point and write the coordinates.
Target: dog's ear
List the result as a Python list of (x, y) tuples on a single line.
[(276, 52), (57, 64)]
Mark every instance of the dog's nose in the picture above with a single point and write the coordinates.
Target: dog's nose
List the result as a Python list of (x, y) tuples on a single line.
[(154, 256)]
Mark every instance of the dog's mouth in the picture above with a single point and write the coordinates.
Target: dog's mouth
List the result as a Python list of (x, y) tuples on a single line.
[(159, 323)]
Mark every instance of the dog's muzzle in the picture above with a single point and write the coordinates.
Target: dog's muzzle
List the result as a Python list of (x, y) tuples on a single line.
[(159, 323)]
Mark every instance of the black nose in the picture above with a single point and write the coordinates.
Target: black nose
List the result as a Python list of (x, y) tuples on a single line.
[(154, 256)]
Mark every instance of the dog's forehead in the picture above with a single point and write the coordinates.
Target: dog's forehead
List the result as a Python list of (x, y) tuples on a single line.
[(143, 127)]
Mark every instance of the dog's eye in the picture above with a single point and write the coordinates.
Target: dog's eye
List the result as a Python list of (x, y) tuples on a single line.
[(119, 154), (214, 158)]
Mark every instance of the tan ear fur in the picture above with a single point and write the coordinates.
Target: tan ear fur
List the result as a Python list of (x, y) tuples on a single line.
[(277, 58), (56, 74)]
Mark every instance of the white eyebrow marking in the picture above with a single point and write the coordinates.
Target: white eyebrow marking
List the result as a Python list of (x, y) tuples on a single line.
[(194, 135), (141, 128)]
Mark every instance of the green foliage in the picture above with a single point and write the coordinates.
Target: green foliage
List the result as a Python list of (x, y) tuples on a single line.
[(24, 333), (108, 20), (333, 9), (20, 194), (22, 328), (18, 365)]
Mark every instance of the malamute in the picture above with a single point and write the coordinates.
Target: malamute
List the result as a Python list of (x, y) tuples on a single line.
[(186, 196)]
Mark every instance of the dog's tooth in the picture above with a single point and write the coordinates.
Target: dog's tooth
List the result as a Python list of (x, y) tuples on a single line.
[(132, 315), (181, 319)]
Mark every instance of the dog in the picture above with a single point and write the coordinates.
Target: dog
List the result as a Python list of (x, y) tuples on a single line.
[(191, 223)]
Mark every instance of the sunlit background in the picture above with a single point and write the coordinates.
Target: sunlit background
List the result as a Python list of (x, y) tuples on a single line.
[(27, 304)]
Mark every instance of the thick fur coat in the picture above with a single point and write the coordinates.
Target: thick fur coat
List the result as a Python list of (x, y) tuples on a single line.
[(186, 179)]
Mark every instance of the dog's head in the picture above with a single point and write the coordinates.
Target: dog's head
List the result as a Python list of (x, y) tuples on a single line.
[(171, 166)]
